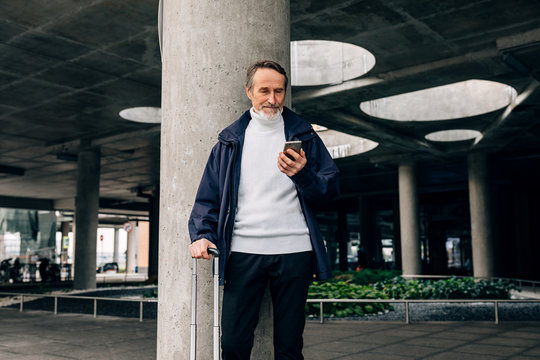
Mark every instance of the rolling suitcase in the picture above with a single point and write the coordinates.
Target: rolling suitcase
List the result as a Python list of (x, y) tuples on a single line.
[(215, 254)]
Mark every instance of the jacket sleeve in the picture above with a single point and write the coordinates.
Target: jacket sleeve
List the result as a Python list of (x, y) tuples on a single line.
[(203, 221), (319, 179)]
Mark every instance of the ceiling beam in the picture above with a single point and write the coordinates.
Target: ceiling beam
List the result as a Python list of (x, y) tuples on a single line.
[(509, 43), (74, 145), (357, 84), (26, 203), (492, 129), (382, 133), (12, 170)]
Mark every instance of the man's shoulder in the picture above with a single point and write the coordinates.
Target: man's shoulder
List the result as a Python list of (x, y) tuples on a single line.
[(236, 129), (294, 123), (291, 115)]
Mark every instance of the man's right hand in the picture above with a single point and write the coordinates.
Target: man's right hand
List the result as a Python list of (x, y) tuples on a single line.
[(199, 249)]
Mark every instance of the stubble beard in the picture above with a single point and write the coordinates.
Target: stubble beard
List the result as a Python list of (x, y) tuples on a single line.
[(269, 112)]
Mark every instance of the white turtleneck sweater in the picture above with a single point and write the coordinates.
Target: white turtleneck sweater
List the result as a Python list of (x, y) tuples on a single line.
[(269, 219)]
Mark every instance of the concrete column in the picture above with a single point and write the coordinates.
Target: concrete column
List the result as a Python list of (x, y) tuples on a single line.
[(481, 231), (207, 48), (397, 235), (86, 219), (3, 228), (153, 251), (343, 239), (64, 228), (331, 245), (408, 217), (367, 238), (143, 242), (71, 251), (116, 251), (2, 246), (132, 247)]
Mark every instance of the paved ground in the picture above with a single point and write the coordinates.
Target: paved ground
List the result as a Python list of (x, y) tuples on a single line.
[(434, 340), (36, 335)]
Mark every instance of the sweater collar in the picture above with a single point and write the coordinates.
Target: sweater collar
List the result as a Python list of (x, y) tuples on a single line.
[(261, 123), (294, 125)]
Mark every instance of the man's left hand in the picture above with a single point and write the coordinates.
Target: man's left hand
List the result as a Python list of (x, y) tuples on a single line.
[(291, 167)]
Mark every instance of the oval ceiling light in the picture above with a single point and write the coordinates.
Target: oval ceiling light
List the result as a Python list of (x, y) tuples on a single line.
[(147, 114), (453, 135), (463, 99), (342, 145), (321, 62)]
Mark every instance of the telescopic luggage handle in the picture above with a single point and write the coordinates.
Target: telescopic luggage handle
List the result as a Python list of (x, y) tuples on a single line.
[(215, 253)]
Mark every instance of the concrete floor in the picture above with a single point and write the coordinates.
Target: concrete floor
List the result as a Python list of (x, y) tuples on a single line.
[(34, 335)]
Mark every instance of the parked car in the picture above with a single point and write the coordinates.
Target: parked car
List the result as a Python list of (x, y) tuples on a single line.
[(10, 270), (110, 267)]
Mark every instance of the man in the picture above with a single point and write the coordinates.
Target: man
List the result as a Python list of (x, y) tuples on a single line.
[(254, 204), (362, 258)]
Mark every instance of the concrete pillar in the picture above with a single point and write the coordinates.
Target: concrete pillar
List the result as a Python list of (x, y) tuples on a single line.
[(408, 217), (86, 219), (116, 251), (154, 238), (71, 250), (207, 48), (143, 242), (64, 228), (481, 231), (3, 227), (343, 239), (132, 247), (372, 247), (397, 235), (331, 245)]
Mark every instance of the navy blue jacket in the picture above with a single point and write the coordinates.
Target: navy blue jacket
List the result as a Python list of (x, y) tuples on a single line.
[(214, 209)]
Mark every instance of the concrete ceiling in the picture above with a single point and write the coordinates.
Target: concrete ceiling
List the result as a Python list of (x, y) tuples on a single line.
[(67, 67)]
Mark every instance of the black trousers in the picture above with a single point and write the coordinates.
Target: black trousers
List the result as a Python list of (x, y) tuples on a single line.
[(247, 277)]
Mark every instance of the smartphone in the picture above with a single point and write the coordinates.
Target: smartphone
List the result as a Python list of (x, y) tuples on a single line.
[(295, 145)]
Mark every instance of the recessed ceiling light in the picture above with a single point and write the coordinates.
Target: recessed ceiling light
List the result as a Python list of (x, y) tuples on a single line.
[(150, 115), (321, 62), (342, 145), (453, 135), (454, 101)]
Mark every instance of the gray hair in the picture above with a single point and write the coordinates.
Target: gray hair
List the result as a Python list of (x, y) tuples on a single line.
[(268, 64)]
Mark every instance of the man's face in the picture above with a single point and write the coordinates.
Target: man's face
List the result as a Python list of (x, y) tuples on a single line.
[(267, 93)]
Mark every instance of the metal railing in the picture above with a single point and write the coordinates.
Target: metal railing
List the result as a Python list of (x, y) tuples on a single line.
[(321, 302), (121, 277), (407, 302), (101, 278), (94, 298)]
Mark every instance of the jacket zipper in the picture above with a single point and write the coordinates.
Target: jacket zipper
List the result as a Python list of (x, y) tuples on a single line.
[(232, 199)]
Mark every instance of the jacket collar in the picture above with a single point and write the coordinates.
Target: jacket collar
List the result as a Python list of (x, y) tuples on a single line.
[(294, 126)]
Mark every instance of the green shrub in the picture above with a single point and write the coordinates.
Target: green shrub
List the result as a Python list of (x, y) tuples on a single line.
[(151, 294), (365, 276), (352, 285), (371, 276), (452, 288), (344, 290), (43, 289)]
